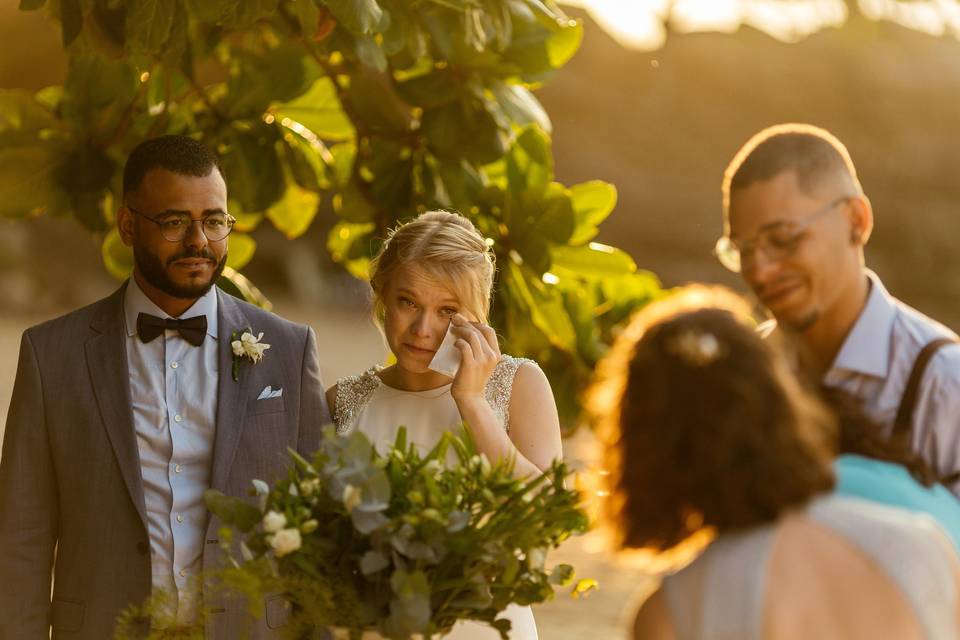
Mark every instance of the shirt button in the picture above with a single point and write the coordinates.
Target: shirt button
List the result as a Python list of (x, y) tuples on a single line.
[(176, 469), (174, 364), (183, 573), (179, 518), (178, 418)]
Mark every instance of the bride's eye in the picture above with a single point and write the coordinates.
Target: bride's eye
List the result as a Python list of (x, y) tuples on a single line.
[(407, 302), (448, 312)]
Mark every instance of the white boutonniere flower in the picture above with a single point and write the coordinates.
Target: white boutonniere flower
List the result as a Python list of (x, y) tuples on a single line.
[(246, 346)]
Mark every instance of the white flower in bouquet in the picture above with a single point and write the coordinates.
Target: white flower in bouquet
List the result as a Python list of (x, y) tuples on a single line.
[(286, 541), (274, 521), (351, 497), (249, 346), (309, 487)]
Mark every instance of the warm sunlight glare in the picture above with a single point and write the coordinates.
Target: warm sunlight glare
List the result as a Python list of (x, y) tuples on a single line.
[(638, 24)]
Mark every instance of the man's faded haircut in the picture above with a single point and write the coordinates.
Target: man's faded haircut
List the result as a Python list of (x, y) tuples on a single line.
[(175, 153), (813, 153)]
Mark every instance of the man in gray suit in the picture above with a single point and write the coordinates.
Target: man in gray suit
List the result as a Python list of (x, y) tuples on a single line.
[(126, 411)]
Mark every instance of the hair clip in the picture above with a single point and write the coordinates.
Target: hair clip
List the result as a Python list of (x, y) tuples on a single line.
[(696, 348)]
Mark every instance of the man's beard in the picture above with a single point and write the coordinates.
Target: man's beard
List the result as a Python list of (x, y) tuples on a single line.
[(153, 272)]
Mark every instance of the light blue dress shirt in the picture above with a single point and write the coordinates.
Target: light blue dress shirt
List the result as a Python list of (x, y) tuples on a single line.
[(173, 388), (891, 484), (875, 361)]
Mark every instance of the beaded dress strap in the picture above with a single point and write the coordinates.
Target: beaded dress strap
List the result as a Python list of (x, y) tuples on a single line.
[(353, 393), (500, 387)]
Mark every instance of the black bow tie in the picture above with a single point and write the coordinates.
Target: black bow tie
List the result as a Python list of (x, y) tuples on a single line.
[(191, 329)]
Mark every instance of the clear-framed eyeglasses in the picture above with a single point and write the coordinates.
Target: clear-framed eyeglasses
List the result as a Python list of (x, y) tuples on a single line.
[(777, 242), (174, 227)]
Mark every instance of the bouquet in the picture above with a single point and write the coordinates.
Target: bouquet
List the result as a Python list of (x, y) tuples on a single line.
[(400, 544)]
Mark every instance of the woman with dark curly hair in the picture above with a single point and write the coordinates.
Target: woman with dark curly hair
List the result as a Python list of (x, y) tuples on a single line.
[(710, 436)]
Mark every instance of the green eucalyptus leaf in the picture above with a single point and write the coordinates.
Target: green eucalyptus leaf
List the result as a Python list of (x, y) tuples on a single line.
[(372, 562), (232, 511)]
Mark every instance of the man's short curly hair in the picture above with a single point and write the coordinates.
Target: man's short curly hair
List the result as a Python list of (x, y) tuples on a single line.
[(705, 426), (175, 153)]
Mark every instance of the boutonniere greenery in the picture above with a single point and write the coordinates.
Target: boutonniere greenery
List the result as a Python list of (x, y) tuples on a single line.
[(246, 347)]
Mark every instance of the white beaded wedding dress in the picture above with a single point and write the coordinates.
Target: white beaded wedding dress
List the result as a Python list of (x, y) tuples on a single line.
[(366, 404)]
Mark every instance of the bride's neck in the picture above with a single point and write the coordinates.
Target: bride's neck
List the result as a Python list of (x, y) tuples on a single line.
[(394, 376)]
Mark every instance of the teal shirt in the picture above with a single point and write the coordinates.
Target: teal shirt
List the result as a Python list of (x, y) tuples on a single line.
[(891, 484)]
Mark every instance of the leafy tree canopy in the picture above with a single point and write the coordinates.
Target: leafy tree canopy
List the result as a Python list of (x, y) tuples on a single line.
[(386, 107)]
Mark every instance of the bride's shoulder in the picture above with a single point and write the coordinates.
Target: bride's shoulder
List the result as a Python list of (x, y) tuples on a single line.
[(508, 366), (350, 393)]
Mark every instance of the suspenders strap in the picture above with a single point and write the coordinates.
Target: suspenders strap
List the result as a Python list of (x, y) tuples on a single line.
[(903, 424)]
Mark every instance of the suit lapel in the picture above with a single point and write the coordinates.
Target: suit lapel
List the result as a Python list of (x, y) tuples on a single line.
[(106, 353), (231, 395)]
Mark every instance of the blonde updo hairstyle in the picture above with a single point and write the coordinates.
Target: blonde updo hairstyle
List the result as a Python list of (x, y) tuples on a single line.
[(446, 247)]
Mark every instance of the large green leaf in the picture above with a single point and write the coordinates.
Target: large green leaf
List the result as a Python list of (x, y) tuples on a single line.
[(521, 105), (97, 87), (349, 245), (293, 213), (278, 75), (542, 305), (252, 168), (242, 248), (319, 110), (21, 111), (529, 164), (359, 16), (592, 202), (28, 183), (149, 23), (592, 261)]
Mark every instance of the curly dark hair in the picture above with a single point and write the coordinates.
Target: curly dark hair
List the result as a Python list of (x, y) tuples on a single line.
[(176, 153), (861, 435), (704, 424)]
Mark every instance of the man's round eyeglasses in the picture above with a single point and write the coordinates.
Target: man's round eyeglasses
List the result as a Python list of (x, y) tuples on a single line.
[(173, 228), (777, 242)]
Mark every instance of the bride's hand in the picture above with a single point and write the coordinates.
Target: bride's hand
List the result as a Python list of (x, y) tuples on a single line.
[(479, 354)]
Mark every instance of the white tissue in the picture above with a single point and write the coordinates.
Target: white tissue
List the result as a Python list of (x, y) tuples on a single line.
[(447, 358)]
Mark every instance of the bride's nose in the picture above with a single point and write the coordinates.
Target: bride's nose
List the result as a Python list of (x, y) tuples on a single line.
[(421, 326)]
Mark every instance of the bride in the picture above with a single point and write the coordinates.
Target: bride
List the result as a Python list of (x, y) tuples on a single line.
[(434, 273)]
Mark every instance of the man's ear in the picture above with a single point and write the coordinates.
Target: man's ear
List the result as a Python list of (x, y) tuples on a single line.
[(861, 220), (125, 224)]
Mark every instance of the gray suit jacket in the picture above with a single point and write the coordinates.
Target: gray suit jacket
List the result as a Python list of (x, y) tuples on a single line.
[(71, 494)]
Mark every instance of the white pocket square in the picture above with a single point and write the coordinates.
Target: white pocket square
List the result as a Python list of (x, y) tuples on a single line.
[(269, 392)]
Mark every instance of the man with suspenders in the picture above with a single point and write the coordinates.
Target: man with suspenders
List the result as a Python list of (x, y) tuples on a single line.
[(795, 223)]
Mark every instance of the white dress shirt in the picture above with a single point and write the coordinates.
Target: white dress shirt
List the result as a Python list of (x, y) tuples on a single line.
[(874, 364), (173, 388)]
